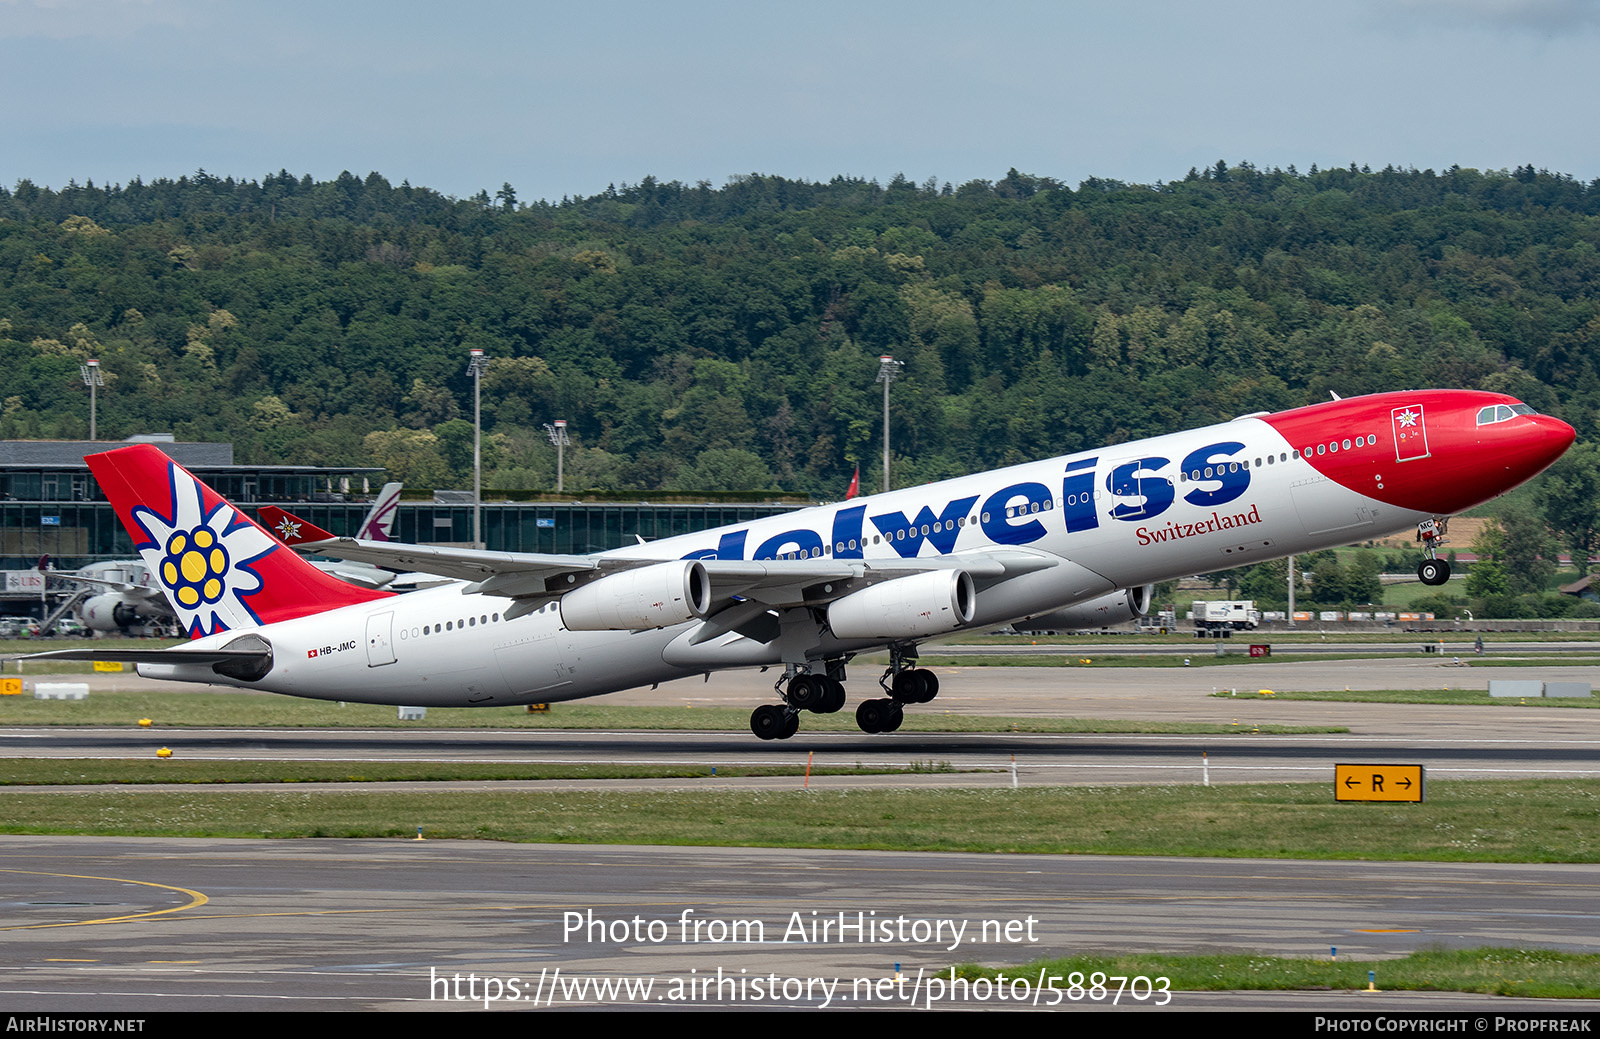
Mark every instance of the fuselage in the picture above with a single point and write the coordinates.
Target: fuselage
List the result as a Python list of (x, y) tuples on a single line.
[(1232, 494)]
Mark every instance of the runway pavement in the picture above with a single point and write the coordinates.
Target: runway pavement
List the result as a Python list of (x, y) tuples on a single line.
[(1451, 741)]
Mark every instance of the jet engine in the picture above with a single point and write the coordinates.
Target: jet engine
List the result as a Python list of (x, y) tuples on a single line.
[(656, 596), (929, 603), (1124, 604), (112, 611)]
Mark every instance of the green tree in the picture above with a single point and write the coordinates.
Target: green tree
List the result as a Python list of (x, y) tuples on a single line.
[(1268, 583), (1569, 495), (455, 443), (1528, 552), (412, 456), (428, 404), (726, 469)]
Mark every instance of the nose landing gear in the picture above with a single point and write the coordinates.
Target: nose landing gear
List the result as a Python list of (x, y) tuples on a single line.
[(1433, 570)]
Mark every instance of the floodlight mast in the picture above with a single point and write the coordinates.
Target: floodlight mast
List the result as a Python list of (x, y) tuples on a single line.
[(90, 370), (475, 368), (888, 371), (558, 436)]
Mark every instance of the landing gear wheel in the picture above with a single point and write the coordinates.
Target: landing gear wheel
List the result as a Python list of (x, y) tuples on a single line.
[(773, 721), (835, 698), (808, 693), (915, 686), (1433, 571), (878, 715)]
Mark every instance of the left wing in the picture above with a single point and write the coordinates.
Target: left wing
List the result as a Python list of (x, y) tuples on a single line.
[(728, 594), (125, 587)]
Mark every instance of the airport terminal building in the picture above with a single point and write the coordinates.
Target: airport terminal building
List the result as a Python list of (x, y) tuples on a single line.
[(50, 505)]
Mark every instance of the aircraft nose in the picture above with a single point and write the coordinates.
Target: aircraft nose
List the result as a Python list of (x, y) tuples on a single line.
[(1555, 437), (1534, 450)]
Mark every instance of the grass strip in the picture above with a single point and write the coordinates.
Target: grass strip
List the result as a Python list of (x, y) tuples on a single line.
[(1186, 637), (95, 771), (266, 710), (1459, 697), (1209, 659), (1462, 821), (1534, 973), (1545, 662)]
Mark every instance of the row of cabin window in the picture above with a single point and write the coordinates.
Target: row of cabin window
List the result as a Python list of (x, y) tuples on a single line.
[(1212, 472), (900, 535), (1332, 446), (435, 629)]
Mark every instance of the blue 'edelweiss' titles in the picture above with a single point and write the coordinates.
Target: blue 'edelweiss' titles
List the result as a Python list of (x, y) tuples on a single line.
[(203, 558), (1139, 488)]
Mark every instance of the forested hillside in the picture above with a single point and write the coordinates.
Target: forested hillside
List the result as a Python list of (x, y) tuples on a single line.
[(726, 338)]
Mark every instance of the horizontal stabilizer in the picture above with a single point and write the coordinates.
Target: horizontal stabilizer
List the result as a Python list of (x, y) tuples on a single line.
[(151, 656)]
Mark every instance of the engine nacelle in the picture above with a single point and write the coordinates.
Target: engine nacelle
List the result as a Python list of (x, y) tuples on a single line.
[(109, 612), (1124, 604), (931, 603), (656, 596)]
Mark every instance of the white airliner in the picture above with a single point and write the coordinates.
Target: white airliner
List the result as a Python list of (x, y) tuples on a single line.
[(134, 599), (1066, 542)]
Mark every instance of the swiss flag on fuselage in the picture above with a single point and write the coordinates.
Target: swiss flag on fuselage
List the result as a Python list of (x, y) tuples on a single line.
[(1410, 433)]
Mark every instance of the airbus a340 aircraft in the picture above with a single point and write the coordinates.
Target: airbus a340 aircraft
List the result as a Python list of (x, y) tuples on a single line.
[(1073, 541)]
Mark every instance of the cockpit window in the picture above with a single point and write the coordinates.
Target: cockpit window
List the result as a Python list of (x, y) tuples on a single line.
[(1502, 412)]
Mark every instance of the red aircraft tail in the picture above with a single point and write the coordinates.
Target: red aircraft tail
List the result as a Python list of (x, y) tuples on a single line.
[(218, 568), (289, 528)]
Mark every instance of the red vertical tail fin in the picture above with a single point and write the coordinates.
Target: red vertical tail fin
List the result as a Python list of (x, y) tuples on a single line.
[(218, 568)]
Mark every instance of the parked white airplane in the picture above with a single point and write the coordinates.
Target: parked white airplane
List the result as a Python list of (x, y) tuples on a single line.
[(132, 598), (1065, 542)]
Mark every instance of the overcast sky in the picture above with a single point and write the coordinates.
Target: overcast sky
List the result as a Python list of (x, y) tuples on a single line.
[(565, 98)]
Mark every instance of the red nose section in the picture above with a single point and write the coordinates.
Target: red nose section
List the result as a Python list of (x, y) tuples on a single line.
[(1435, 451)]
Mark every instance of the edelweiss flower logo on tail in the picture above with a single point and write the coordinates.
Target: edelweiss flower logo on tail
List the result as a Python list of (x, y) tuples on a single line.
[(203, 559)]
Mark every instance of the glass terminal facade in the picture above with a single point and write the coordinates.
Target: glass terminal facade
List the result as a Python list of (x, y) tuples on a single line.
[(51, 505)]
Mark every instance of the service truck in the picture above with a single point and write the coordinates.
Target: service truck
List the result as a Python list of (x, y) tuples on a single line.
[(1219, 619)]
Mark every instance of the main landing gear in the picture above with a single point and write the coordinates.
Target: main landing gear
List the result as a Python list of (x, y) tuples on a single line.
[(905, 685), (824, 694), (819, 694), (1433, 570)]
